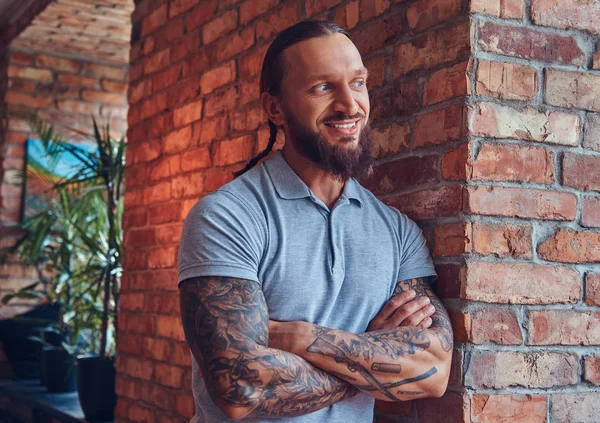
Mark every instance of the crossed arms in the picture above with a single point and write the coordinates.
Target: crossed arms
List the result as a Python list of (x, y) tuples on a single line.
[(254, 367)]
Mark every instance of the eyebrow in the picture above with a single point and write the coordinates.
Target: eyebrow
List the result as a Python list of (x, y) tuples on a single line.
[(357, 72)]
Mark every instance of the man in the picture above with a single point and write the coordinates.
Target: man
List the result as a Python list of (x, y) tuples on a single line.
[(283, 272)]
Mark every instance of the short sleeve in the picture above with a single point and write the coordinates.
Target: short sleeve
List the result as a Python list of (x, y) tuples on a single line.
[(415, 260), (220, 237)]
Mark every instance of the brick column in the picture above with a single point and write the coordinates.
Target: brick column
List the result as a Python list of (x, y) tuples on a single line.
[(484, 133)]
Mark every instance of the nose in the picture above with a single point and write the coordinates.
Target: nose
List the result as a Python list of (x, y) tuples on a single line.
[(345, 102)]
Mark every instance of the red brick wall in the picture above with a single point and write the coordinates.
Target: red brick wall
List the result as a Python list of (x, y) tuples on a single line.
[(476, 139)]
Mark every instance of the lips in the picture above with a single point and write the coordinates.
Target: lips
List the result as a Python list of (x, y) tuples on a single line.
[(343, 127)]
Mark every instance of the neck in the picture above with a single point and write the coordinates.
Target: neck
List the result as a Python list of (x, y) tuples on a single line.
[(322, 184)]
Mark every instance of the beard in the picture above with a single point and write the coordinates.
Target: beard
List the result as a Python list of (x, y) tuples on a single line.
[(340, 162)]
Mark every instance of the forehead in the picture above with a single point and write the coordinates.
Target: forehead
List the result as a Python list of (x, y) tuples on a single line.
[(328, 55)]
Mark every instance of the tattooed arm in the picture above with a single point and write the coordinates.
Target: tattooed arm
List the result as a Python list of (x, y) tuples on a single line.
[(226, 325), (394, 364)]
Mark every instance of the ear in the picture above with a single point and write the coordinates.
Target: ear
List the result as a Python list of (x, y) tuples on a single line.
[(272, 107)]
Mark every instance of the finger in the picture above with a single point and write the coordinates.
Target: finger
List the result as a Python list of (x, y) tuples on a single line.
[(407, 310), (419, 316), (393, 303), (426, 322)]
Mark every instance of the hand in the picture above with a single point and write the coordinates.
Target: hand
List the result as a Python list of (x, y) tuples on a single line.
[(284, 335), (403, 310)]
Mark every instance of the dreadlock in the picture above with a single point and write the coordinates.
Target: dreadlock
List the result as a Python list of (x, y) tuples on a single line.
[(273, 69)]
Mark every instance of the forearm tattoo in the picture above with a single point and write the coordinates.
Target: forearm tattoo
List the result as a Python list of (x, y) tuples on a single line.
[(226, 324), (441, 325), (362, 349)]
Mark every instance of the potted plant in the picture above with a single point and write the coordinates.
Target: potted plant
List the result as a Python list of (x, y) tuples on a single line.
[(92, 239)]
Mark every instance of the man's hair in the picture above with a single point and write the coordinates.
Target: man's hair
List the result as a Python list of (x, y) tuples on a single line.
[(273, 67)]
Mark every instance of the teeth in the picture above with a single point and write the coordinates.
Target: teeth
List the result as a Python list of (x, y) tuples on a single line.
[(346, 126)]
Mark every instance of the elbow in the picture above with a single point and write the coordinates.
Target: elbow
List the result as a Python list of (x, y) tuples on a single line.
[(437, 386)]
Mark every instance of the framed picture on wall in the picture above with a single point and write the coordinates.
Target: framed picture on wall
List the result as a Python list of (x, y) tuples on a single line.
[(43, 170)]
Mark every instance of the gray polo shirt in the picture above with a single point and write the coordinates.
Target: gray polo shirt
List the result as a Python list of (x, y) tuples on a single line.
[(335, 268)]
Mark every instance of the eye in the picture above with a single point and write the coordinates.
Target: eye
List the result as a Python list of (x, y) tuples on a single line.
[(322, 88), (361, 83)]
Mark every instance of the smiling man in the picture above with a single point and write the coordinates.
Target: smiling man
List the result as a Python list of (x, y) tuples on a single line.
[(303, 297)]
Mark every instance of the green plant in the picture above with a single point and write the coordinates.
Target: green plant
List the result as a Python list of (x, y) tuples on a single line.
[(75, 242)]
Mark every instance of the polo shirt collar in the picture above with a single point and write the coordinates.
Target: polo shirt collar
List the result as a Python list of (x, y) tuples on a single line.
[(290, 186)]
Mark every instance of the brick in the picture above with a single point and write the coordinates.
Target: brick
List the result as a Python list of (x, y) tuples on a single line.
[(141, 414), (183, 404), (445, 84), (187, 185), (220, 26), (235, 44), (217, 77), (177, 7), (250, 9), (563, 327), (114, 86), (163, 213), (131, 301), (211, 129), (506, 9), (376, 66), (592, 289), (134, 218), (529, 44), (590, 214), (167, 78), (181, 352), (314, 7), (427, 13), (127, 388), (248, 120), (591, 369), (591, 136), (579, 407), (570, 246), (573, 90), (497, 325), (156, 395), (160, 303), (170, 327), (438, 126), (250, 64), (506, 80), (117, 99), (451, 240), (153, 105), (141, 237), (502, 240), (508, 162), (508, 408), (498, 121), (220, 102), (521, 202), (160, 258), (186, 46), (401, 174), (456, 164), (432, 48), (157, 349), (277, 20), (215, 178), (187, 114), (57, 63), (429, 204), (452, 407), (146, 151), (154, 20), (118, 73), (581, 171), (139, 368), (520, 283), (503, 369), (233, 150), (461, 327), (197, 159), (347, 16), (201, 13), (32, 101), (40, 75), (377, 34), (177, 140), (567, 14), (17, 84), (390, 139), (139, 91), (158, 61), (372, 8), (157, 193), (20, 58)]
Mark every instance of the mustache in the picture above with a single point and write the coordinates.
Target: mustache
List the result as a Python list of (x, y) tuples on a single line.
[(342, 116)]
